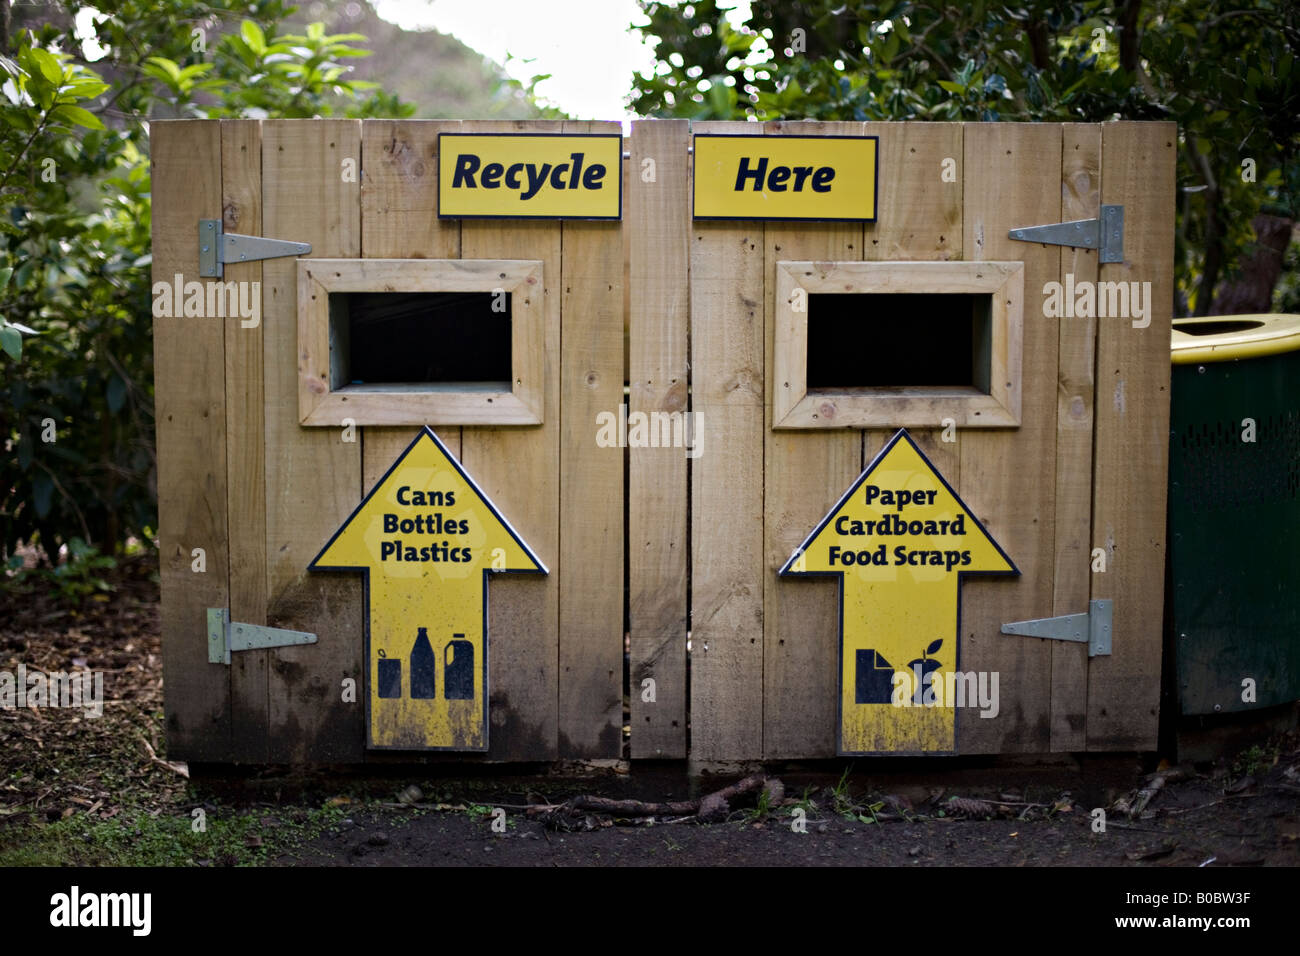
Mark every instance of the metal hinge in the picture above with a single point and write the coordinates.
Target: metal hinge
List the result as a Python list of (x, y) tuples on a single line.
[(225, 637), (1092, 628), (217, 248), (1105, 234)]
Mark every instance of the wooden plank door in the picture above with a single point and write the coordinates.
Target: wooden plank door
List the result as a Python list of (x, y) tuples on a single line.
[(1077, 494), (190, 415), (1012, 177), (260, 494), (946, 192), (1131, 469)]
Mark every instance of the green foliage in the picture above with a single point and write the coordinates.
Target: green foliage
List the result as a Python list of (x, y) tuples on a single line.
[(41, 91), (512, 90), (447, 79), (75, 290), (77, 577), (1286, 297), (870, 816), (143, 839), (1228, 76), (1250, 762), (762, 808), (70, 581), (806, 802), (841, 800), (11, 333)]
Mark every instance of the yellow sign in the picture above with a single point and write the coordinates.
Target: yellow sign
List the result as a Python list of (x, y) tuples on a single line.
[(900, 541), (529, 176), (785, 177), (426, 538)]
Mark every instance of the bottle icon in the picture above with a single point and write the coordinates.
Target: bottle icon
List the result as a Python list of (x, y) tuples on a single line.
[(389, 675), (458, 669), (424, 667)]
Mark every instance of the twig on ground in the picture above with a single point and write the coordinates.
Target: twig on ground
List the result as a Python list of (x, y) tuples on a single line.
[(1212, 803), (180, 769), (713, 808), (1134, 803), (1129, 826)]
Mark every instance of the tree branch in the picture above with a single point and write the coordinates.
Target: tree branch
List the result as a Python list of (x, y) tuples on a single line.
[(4, 27), (1037, 32), (1128, 35), (19, 158), (1213, 230)]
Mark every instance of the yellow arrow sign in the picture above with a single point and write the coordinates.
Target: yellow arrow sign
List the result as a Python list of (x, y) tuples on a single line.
[(900, 541), (426, 538)]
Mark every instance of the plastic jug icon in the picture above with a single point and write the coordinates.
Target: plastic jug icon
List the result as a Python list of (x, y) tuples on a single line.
[(424, 667), (458, 669)]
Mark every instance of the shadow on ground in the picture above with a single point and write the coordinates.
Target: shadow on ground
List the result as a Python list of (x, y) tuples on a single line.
[(76, 789)]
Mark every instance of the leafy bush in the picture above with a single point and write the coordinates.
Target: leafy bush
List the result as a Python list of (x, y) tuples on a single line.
[(1228, 75), (76, 380)]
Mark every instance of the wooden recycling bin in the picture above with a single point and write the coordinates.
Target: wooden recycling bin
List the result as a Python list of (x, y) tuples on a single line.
[(890, 461)]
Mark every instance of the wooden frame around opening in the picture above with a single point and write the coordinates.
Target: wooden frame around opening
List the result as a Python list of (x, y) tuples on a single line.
[(794, 406), (320, 404)]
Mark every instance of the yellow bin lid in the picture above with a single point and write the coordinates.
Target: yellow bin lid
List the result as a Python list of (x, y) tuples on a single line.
[(1226, 338)]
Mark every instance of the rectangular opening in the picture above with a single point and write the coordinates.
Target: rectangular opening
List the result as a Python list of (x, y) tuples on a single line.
[(421, 342), (387, 341), (900, 340), (863, 344)]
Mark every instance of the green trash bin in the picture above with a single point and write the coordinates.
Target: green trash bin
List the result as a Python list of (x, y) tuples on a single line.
[(1234, 511)]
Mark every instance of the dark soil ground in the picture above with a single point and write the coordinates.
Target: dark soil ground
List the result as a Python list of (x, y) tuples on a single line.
[(80, 790)]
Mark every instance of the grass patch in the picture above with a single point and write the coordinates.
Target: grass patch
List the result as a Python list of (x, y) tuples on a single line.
[(141, 839)]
